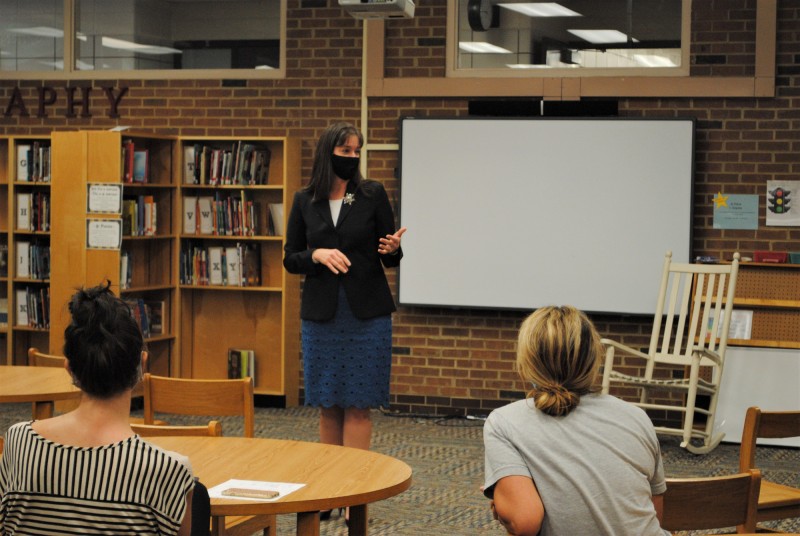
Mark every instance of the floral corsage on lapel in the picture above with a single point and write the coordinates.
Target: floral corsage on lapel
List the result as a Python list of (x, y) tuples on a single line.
[(349, 198)]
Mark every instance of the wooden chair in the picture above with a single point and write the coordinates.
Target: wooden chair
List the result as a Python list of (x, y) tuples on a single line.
[(690, 331), (212, 429), (775, 501), (37, 358), (712, 502), (208, 397), (199, 397)]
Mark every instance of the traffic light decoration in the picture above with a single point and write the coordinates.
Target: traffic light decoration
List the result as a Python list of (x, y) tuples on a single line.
[(779, 201)]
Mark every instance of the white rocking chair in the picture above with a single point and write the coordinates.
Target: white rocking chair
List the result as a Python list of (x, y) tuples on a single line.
[(690, 330)]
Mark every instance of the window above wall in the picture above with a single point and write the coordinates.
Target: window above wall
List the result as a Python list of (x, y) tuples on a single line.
[(142, 39), (569, 38)]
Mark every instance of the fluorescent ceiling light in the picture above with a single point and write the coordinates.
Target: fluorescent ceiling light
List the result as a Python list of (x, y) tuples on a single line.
[(601, 36), (479, 47), (46, 31), (40, 31), (526, 66), (59, 64), (542, 9), (121, 44), (654, 60)]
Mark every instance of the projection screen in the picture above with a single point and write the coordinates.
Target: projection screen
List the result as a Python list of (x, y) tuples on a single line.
[(522, 213)]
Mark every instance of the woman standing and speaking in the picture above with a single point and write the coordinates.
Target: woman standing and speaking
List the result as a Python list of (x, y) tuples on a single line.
[(340, 235)]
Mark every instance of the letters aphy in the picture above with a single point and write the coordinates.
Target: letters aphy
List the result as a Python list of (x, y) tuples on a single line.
[(77, 98)]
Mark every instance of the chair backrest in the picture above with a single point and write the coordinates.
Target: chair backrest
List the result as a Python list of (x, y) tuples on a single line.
[(757, 423), (212, 429), (199, 397), (712, 502), (40, 359), (36, 358), (693, 311)]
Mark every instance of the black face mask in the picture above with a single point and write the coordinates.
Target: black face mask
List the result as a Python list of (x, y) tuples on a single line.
[(345, 167)]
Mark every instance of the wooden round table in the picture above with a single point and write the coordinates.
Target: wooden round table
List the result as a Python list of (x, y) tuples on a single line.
[(40, 385), (334, 477)]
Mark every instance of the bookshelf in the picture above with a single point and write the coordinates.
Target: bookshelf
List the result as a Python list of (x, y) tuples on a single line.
[(219, 311), (99, 159), (198, 322), (772, 292), (5, 173), (27, 193)]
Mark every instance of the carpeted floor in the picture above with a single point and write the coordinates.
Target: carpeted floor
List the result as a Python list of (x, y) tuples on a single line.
[(447, 459)]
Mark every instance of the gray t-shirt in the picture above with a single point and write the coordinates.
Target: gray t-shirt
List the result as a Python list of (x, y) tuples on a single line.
[(596, 469)]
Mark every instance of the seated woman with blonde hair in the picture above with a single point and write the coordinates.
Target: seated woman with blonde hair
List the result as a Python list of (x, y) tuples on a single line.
[(86, 472), (568, 460)]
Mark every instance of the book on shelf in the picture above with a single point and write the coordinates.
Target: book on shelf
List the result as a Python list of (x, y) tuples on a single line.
[(189, 214), (22, 307), (241, 363), (128, 150), (3, 260), (204, 211), (215, 263), (262, 161), (39, 261), (150, 215), (39, 211), (3, 312), (141, 314), (141, 165), (276, 218), (129, 213), (233, 267), (24, 206), (251, 265), (23, 258), (44, 163), (24, 163), (188, 164), (125, 270), (156, 312)]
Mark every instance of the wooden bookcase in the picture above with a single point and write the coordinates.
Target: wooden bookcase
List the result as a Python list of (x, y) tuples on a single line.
[(96, 157), (5, 173), (16, 188), (200, 323), (772, 292), (263, 317)]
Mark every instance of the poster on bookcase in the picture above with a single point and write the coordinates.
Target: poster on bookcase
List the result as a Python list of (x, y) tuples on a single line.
[(104, 234), (104, 198)]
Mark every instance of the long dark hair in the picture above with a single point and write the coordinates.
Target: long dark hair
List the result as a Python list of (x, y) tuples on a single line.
[(103, 343), (322, 171)]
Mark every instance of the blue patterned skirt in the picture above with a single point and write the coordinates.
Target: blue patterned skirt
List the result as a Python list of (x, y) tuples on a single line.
[(347, 361)]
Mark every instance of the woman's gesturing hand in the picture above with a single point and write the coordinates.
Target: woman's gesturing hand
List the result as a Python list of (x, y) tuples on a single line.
[(390, 244), (335, 260)]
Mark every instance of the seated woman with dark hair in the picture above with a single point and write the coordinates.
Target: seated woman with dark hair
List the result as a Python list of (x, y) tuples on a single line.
[(568, 460), (86, 472)]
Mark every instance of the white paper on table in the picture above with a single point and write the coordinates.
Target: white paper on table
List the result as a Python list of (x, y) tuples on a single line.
[(283, 488)]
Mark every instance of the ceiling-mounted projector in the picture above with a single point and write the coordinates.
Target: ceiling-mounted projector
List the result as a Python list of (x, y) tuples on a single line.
[(379, 9)]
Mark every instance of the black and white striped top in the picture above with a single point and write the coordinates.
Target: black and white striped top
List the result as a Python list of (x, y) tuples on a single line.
[(130, 487)]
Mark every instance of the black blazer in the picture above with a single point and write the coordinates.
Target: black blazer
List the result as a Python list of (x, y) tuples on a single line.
[(360, 225)]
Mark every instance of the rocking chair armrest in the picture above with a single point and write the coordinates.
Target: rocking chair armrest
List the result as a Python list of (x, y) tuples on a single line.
[(712, 355), (624, 348)]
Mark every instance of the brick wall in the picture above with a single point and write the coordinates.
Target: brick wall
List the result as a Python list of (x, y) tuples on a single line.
[(448, 361)]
